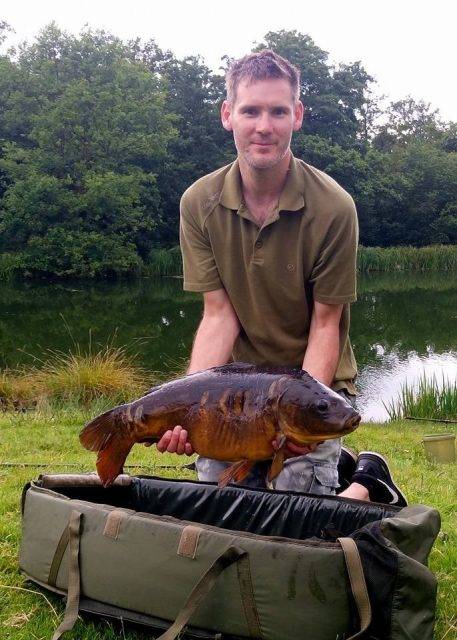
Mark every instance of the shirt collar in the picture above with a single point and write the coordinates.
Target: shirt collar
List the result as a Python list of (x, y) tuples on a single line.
[(292, 196)]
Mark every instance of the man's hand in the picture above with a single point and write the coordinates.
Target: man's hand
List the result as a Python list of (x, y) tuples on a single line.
[(292, 450), (175, 441)]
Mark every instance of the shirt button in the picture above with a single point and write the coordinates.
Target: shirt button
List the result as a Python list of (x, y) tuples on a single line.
[(258, 244), (290, 267)]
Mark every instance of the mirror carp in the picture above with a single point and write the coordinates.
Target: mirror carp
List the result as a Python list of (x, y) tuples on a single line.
[(231, 412)]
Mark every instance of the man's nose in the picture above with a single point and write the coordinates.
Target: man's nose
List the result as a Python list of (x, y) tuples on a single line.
[(264, 123)]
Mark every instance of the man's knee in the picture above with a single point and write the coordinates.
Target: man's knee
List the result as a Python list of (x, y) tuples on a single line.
[(304, 475), (209, 470)]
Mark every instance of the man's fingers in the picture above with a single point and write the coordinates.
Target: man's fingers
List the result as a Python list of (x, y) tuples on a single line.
[(175, 441), (299, 450), (164, 441), (292, 449), (173, 444), (181, 445)]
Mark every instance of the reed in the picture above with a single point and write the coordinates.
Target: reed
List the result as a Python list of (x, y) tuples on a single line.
[(429, 399), (395, 259)]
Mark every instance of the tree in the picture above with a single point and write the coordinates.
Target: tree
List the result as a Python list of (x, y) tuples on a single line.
[(194, 97), (408, 120), (96, 139), (335, 98)]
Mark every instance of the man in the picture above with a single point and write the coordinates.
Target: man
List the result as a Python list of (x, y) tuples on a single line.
[(271, 243)]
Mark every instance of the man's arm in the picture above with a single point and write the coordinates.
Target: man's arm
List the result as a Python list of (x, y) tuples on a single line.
[(216, 334), (213, 344), (323, 350), (322, 354)]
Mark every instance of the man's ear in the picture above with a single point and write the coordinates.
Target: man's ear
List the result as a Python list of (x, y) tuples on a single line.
[(226, 115), (299, 111)]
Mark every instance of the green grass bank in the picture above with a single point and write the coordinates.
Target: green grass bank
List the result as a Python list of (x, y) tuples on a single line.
[(49, 437), (369, 259), (167, 262)]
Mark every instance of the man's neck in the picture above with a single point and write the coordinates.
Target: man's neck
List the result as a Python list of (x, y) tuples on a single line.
[(263, 186)]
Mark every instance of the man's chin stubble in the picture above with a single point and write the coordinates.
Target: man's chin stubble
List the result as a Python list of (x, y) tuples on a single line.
[(263, 164)]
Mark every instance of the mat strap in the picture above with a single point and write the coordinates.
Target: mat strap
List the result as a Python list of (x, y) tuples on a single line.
[(206, 583), (358, 585), (71, 610)]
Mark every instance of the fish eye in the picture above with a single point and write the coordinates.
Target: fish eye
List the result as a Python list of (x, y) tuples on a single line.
[(322, 405)]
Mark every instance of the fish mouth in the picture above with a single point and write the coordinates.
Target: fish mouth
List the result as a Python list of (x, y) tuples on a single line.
[(354, 421), (334, 430)]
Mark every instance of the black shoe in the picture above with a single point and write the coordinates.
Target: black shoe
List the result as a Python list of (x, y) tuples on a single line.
[(346, 468), (373, 472)]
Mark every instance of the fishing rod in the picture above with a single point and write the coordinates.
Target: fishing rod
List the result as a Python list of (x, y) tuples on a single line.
[(71, 465)]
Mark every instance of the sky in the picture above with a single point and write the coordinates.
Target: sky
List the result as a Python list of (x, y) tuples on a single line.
[(409, 46)]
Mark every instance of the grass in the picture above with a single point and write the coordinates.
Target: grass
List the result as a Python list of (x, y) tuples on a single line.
[(370, 259), (49, 437), (75, 377), (394, 259), (168, 262), (164, 262), (430, 399)]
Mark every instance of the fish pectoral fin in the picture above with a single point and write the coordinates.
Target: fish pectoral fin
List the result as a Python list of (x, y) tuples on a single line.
[(276, 464), (235, 473)]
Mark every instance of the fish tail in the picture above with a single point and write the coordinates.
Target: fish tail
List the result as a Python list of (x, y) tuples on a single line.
[(108, 435)]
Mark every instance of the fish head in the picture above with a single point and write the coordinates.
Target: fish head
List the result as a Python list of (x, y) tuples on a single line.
[(309, 411)]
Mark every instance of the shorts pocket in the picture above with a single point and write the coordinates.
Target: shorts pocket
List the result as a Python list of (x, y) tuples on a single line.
[(325, 480), (307, 476)]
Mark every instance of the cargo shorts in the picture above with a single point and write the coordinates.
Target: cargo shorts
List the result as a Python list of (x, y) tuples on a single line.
[(315, 472)]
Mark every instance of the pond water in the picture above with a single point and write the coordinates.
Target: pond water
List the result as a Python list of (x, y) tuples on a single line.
[(403, 325)]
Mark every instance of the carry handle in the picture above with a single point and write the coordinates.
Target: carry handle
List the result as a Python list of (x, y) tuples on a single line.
[(204, 586), (358, 585)]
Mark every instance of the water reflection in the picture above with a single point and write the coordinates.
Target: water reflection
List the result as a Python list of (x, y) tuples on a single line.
[(380, 383)]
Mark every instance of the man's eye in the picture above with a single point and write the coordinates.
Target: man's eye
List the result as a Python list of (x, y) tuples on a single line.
[(279, 112)]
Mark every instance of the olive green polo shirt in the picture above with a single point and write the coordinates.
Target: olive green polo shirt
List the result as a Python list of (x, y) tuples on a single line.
[(305, 251)]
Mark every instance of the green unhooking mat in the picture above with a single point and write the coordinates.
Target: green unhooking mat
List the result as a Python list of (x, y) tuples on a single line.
[(186, 557)]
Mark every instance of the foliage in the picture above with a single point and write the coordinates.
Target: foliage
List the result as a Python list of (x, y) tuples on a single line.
[(99, 138), (430, 399)]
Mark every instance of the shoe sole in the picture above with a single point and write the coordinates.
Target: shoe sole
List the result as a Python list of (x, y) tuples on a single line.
[(391, 478)]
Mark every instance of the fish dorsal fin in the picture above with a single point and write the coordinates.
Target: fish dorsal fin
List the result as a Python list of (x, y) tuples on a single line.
[(235, 473)]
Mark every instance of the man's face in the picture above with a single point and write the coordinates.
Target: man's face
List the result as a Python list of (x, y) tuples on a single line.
[(262, 118)]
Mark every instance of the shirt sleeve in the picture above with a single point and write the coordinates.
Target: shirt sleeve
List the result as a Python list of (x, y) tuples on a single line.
[(334, 274), (199, 264)]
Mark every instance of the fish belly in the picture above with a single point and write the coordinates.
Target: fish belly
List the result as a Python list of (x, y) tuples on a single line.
[(231, 438)]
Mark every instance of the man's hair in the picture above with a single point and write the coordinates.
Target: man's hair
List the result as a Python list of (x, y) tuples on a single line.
[(264, 65)]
